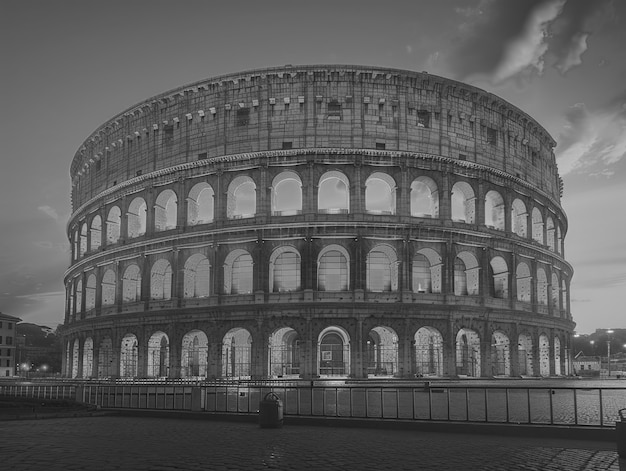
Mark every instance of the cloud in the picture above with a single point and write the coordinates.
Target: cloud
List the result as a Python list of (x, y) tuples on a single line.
[(528, 49), (503, 40), (49, 211), (409, 49), (570, 32), (593, 140)]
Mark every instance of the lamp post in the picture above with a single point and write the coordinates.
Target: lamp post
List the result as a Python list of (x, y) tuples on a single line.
[(608, 350)]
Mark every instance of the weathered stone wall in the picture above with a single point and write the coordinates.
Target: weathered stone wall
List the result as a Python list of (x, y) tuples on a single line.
[(326, 106)]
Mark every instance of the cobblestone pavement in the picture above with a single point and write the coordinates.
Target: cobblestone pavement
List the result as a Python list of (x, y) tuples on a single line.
[(130, 443)]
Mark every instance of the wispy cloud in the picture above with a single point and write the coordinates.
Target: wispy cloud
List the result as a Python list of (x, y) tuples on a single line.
[(593, 140), (504, 40), (570, 32), (50, 211), (527, 51)]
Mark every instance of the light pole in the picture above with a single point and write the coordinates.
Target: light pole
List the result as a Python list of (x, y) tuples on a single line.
[(608, 350)]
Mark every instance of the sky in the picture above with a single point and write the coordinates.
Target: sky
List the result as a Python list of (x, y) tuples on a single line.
[(68, 66)]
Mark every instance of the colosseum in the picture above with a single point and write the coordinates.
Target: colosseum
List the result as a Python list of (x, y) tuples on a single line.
[(318, 222)]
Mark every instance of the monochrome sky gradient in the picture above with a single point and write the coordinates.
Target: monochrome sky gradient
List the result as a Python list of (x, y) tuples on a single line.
[(68, 66)]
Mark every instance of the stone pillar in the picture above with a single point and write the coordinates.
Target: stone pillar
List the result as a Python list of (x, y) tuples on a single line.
[(95, 361), (81, 348), (358, 368), (449, 349), (308, 355), (514, 350), (214, 360), (406, 358), (142, 358), (98, 303), (260, 356), (445, 201), (480, 204), (123, 219), (551, 352), (174, 358), (403, 201), (357, 191), (536, 353)]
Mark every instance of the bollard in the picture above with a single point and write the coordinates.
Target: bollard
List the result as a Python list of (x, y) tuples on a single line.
[(620, 430), (271, 411)]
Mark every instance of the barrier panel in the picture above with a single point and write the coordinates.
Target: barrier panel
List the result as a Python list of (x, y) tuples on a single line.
[(489, 404)]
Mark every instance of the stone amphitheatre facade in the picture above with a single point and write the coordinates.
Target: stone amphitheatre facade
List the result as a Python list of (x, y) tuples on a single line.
[(318, 221)]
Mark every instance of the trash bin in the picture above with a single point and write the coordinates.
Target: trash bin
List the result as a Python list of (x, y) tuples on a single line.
[(620, 430), (271, 411)]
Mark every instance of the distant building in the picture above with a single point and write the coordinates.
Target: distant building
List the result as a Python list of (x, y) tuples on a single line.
[(7, 344), (587, 365)]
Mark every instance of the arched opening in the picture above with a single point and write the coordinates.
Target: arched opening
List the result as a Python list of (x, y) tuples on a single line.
[(105, 358), (424, 198), (466, 271), (131, 284), (468, 353), (544, 355), (334, 352), (237, 354), (136, 218), (525, 354), (499, 277), (284, 354), (196, 274), (79, 296), (559, 239), (286, 194), (194, 355), (519, 218), (557, 357), (200, 204), (494, 210), (382, 269), (333, 269), (241, 199), (113, 225), (75, 245), (542, 287), (165, 211), (83, 240), (95, 234), (428, 352), (537, 221), (333, 195), (463, 202), (158, 355), (523, 280), (238, 272), (381, 353), (75, 358), (90, 292), (550, 234), (284, 270), (161, 280), (128, 356), (426, 271), (88, 358), (108, 287), (380, 194), (500, 354), (556, 295)]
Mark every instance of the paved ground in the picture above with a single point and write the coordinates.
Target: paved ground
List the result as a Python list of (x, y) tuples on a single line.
[(131, 443)]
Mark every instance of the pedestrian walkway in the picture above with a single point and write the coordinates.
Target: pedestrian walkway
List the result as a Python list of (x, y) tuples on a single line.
[(168, 444)]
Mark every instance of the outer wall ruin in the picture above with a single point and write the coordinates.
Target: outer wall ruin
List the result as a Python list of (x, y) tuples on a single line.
[(318, 221)]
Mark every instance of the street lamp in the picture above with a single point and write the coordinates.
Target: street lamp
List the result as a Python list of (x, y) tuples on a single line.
[(608, 350)]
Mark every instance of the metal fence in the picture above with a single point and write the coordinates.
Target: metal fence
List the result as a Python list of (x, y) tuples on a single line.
[(455, 403)]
